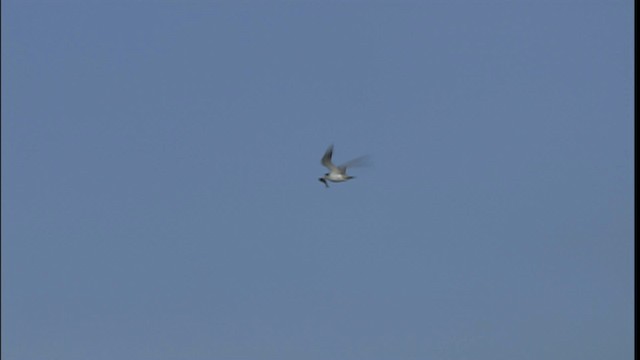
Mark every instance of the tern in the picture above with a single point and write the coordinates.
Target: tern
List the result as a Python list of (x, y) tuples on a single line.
[(337, 173)]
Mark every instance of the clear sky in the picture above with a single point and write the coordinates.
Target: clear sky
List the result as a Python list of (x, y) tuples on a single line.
[(160, 193)]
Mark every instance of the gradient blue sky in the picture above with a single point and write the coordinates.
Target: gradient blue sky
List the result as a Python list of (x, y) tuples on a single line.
[(160, 196)]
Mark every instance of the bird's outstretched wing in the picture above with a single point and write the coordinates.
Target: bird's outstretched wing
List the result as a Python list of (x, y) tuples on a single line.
[(357, 162), (326, 159)]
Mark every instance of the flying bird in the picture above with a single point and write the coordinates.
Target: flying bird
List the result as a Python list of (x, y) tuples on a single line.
[(337, 173)]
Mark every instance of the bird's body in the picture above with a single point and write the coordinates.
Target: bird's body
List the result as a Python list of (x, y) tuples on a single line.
[(336, 177), (336, 173)]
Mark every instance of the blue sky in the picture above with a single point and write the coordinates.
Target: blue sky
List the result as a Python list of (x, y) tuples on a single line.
[(160, 196)]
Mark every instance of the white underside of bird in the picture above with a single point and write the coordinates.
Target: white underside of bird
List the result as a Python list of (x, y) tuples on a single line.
[(336, 173), (337, 177)]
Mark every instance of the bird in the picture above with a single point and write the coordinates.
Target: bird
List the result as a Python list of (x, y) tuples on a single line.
[(337, 173)]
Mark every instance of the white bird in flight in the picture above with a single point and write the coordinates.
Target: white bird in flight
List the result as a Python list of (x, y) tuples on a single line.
[(337, 173)]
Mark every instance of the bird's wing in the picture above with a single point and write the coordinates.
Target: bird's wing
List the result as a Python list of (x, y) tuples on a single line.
[(326, 159), (357, 162)]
